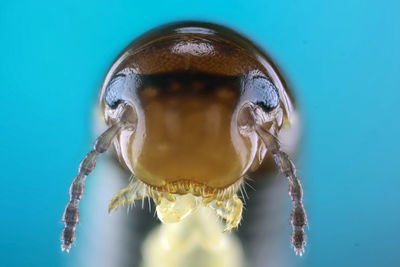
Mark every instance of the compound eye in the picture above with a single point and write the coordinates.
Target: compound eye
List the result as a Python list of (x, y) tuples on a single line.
[(262, 92), (121, 88)]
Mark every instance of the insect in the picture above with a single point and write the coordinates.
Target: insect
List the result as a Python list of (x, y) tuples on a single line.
[(191, 108)]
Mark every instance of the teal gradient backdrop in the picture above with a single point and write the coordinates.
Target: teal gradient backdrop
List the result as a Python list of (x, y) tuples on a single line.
[(340, 57)]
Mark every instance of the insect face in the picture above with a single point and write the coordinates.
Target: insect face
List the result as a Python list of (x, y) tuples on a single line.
[(187, 131), (191, 108)]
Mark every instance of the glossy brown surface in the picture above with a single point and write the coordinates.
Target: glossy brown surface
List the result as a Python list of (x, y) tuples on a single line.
[(188, 137), (186, 82)]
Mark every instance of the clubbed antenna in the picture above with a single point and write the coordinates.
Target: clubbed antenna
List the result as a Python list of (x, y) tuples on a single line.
[(103, 142), (298, 217)]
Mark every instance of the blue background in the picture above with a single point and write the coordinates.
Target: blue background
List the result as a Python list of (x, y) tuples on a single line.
[(341, 58)]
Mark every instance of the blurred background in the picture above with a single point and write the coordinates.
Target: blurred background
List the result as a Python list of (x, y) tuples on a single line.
[(341, 59)]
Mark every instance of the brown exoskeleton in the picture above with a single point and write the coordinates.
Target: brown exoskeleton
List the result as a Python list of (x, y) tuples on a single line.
[(191, 109)]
